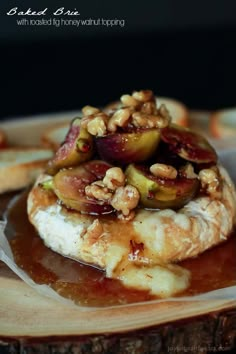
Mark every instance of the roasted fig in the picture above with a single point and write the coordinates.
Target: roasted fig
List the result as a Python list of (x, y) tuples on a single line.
[(77, 148), (69, 186), (123, 148), (160, 193), (188, 144)]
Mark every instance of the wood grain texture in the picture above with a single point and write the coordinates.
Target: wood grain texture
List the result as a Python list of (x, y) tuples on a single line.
[(211, 333), (23, 312)]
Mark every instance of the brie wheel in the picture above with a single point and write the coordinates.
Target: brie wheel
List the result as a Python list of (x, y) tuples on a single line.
[(142, 252)]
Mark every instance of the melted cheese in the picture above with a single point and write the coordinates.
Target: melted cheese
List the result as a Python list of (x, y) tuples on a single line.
[(111, 251), (138, 252)]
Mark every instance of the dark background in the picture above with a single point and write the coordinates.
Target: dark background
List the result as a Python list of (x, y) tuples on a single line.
[(182, 49)]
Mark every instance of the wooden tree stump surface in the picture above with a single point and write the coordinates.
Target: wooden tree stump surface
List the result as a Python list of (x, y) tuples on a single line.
[(215, 332)]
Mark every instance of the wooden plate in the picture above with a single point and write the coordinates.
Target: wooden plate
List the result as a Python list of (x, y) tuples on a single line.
[(23, 312)]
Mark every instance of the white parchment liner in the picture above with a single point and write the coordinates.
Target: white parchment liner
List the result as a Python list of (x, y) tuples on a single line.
[(228, 159)]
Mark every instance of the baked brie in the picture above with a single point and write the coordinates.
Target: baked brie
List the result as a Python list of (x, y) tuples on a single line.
[(131, 193)]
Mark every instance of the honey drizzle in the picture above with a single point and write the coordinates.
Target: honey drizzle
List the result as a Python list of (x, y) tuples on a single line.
[(87, 285)]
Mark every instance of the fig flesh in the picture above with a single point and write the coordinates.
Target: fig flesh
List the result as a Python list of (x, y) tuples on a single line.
[(69, 186), (124, 148), (77, 148), (161, 193), (188, 144)]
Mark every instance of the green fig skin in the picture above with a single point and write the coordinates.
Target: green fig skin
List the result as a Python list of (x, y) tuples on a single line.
[(69, 186), (160, 193), (124, 148)]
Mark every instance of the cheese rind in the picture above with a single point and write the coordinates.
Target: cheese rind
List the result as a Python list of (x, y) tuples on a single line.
[(140, 252)]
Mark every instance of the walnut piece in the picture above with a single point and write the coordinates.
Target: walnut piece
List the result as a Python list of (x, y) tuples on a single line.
[(98, 125), (143, 120), (138, 110), (149, 108), (163, 171), (143, 96), (210, 181), (112, 189), (125, 199), (90, 110), (114, 178), (97, 191), (187, 171), (119, 119), (129, 101)]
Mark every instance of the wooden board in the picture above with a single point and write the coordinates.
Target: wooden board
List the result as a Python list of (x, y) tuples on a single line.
[(25, 313)]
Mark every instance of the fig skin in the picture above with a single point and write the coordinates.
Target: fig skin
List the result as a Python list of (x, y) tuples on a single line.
[(123, 147), (161, 193), (77, 148), (188, 144), (69, 186)]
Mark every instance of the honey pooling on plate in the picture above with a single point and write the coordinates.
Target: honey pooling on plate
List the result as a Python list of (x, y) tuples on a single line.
[(88, 286)]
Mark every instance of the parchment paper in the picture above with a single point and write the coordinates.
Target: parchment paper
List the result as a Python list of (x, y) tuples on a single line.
[(227, 158)]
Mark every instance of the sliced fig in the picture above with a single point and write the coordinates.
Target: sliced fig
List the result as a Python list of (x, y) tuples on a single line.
[(77, 148), (97, 168), (123, 148), (161, 193), (69, 186), (188, 144)]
